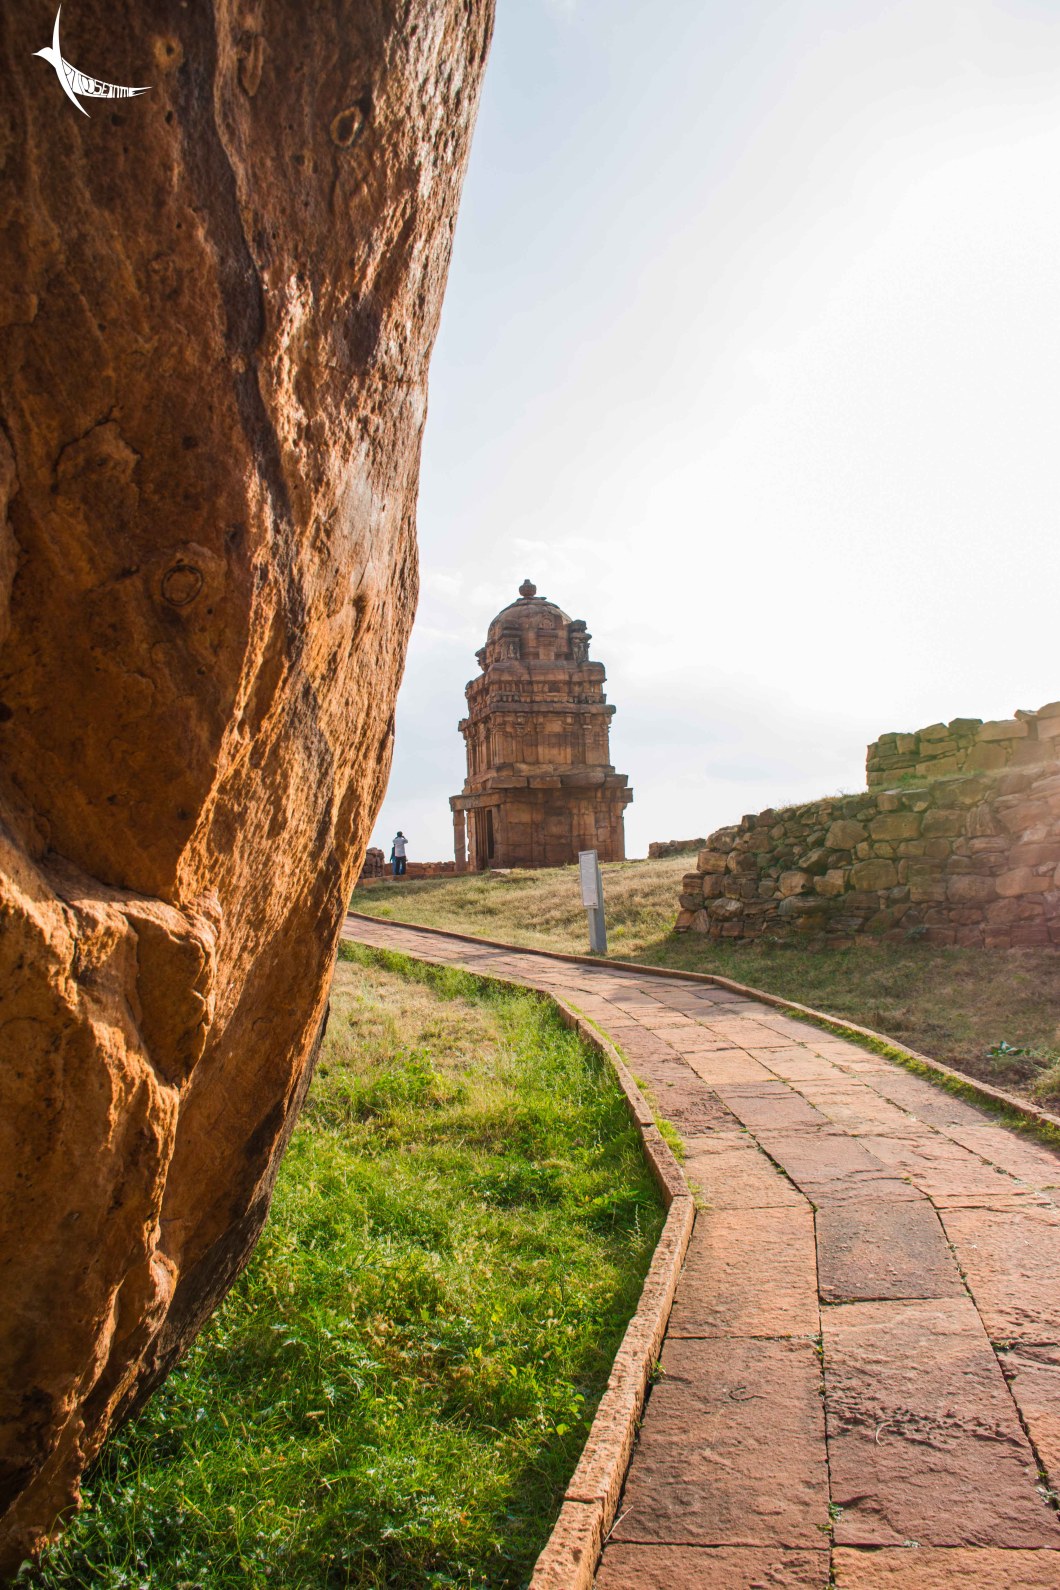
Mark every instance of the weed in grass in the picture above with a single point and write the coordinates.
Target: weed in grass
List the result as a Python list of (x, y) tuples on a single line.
[(1046, 1086), (396, 1391), (1040, 1068)]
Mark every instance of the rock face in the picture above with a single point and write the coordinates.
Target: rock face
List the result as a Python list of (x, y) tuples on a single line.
[(217, 303)]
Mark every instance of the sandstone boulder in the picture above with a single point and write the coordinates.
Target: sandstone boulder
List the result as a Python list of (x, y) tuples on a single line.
[(876, 874), (845, 834), (895, 825), (217, 303), (796, 881)]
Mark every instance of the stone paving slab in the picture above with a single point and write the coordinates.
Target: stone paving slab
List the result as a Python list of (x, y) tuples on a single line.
[(712, 1568), (770, 1105), (999, 1202), (914, 1434), (930, 1104), (726, 1067), (693, 1110), (933, 1569), (1033, 1374), (924, 1442), (732, 1173), (827, 1163), (749, 1034), (938, 1166), (883, 1248), (857, 1108), (1032, 1163), (1012, 1262), (732, 1448), (748, 1272)]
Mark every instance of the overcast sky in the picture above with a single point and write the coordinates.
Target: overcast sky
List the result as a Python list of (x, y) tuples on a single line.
[(750, 357)]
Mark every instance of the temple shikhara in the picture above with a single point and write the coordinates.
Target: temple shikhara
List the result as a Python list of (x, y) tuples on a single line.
[(540, 786)]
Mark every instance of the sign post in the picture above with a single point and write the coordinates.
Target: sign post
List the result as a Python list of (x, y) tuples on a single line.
[(592, 887)]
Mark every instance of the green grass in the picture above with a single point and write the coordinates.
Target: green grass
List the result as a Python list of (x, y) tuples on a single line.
[(397, 1390), (956, 1005)]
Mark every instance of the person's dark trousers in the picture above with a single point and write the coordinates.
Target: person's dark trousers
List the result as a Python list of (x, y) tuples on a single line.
[(399, 866)]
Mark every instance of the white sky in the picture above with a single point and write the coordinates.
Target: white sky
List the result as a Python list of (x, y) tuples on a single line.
[(750, 357)]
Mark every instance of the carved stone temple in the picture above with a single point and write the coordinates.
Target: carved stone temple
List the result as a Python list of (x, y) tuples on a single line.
[(540, 785)]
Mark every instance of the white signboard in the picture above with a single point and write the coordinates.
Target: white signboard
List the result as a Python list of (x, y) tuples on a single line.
[(588, 875)]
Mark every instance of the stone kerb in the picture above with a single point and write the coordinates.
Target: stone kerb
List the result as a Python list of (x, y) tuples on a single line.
[(966, 745), (968, 860), (590, 1501)]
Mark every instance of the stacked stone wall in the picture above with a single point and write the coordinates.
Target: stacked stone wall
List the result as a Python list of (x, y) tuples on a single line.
[(672, 847), (374, 864), (377, 867), (967, 860), (965, 745)]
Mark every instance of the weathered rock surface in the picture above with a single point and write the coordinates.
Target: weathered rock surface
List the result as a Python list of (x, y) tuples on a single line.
[(217, 303)]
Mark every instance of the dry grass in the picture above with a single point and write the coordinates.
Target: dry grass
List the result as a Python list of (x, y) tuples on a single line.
[(542, 909), (956, 1005)]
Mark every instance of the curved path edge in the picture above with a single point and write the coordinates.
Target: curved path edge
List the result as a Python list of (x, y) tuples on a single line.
[(860, 1358), (1041, 1121), (590, 1502)]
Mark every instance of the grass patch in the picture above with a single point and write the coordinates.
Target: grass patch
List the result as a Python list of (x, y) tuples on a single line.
[(992, 1014), (397, 1390)]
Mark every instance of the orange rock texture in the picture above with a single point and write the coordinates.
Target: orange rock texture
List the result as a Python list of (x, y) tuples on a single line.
[(217, 304)]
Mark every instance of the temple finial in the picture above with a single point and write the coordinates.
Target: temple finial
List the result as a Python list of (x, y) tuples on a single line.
[(527, 590)]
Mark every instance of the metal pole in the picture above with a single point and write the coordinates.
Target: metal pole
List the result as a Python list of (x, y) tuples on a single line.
[(592, 888)]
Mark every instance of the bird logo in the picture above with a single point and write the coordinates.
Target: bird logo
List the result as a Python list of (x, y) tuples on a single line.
[(75, 82)]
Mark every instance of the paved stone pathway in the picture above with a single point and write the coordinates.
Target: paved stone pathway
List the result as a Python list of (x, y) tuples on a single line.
[(866, 1333)]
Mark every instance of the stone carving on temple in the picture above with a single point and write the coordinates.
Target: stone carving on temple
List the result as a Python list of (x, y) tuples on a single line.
[(540, 786)]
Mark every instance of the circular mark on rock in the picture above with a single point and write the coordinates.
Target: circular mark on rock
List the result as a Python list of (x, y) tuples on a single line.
[(348, 125), (181, 584)]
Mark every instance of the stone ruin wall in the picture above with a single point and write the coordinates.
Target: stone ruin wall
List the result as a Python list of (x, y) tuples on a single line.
[(672, 847), (965, 745), (374, 865), (377, 868), (968, 858)]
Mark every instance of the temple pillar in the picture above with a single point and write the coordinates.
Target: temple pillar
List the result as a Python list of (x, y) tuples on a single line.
[(460, 840)]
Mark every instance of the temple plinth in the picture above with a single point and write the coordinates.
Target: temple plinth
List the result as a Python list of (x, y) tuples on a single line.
[(540, 786)]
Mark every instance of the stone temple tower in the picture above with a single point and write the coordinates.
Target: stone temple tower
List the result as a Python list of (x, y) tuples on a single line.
[(540, 785)]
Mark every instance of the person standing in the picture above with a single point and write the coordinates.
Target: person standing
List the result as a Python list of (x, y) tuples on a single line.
[(397, 854)]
